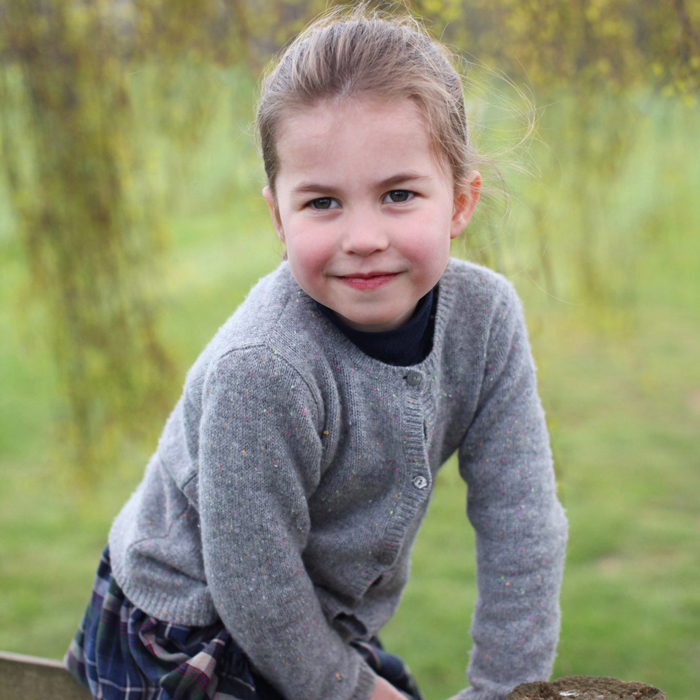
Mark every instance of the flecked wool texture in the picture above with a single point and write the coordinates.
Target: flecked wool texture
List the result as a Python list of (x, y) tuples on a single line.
[(291, 479)]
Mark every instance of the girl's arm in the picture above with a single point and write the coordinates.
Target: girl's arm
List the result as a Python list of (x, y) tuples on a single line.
[(260, 459), (519, 524)]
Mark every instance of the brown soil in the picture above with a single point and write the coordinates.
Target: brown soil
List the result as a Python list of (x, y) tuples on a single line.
[(586, 688)]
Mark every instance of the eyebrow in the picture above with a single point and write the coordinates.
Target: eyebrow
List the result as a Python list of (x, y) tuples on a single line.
[(398, 179)]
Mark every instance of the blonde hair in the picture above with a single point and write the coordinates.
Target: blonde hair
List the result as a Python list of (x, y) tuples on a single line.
[(360, 53)]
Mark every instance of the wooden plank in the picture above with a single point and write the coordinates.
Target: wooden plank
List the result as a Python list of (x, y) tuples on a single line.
[(32, 678)]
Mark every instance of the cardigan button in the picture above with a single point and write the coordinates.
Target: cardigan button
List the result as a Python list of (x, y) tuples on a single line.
[(386, 557), (414, 378), (420, 482)]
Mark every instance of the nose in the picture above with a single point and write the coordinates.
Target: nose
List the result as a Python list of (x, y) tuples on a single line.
[(364, 234)]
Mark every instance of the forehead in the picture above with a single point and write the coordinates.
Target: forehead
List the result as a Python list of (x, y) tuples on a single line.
[(354, 137)]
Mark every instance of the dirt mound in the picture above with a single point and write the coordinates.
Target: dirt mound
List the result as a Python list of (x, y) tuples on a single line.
[(586, 688)]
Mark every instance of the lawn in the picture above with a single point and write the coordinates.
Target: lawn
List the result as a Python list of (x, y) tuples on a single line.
[(619, 377)]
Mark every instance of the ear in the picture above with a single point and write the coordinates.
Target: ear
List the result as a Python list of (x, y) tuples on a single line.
[(466, 198), (274, 212)]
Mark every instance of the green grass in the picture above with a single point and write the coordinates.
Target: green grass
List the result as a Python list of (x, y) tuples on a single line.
[(619, 379)]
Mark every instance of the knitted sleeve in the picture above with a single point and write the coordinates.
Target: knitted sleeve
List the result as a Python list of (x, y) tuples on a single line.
[(260, 461), (519, 524)]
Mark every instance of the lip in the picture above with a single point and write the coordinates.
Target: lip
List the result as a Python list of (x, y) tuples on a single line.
[(367, 281)]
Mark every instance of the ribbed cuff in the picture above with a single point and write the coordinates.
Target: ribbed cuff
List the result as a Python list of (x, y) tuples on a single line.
[(365, 682), (471, 694)]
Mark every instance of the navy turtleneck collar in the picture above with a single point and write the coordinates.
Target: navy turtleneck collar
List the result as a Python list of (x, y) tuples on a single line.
[(406, 345)]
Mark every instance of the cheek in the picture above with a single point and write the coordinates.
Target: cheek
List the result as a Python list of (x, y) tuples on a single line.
[(428, 242), (308, 254)]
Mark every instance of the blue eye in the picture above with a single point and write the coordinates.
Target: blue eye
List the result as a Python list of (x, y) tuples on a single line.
[(323, 203), (398, 196)]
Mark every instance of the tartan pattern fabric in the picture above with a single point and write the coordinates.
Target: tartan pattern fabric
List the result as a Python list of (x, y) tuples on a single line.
[(120, 653)]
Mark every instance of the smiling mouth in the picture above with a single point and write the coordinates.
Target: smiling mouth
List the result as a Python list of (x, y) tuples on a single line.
[(368, 282)]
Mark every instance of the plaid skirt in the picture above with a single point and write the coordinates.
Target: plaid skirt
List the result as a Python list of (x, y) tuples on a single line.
[(120, 653)]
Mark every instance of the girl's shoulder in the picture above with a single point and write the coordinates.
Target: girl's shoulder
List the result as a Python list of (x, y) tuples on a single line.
[(276, 320), (471, 278), (469, 286), (480, 311)]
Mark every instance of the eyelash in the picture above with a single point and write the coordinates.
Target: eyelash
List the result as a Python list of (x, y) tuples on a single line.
[(313, 204)]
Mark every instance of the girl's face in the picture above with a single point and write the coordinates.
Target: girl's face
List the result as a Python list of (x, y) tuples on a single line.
[(364, 208)]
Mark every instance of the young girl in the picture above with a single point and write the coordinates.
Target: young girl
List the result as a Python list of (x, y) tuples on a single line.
[(270, 538)]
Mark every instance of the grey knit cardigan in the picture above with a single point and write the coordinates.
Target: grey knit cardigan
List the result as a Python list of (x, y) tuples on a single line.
[(291, 479)]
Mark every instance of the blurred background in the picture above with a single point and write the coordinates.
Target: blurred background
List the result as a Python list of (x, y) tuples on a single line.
[(132, 225)]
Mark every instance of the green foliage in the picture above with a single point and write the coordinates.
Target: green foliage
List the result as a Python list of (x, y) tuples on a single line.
[(589, 44), (90, 231)]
